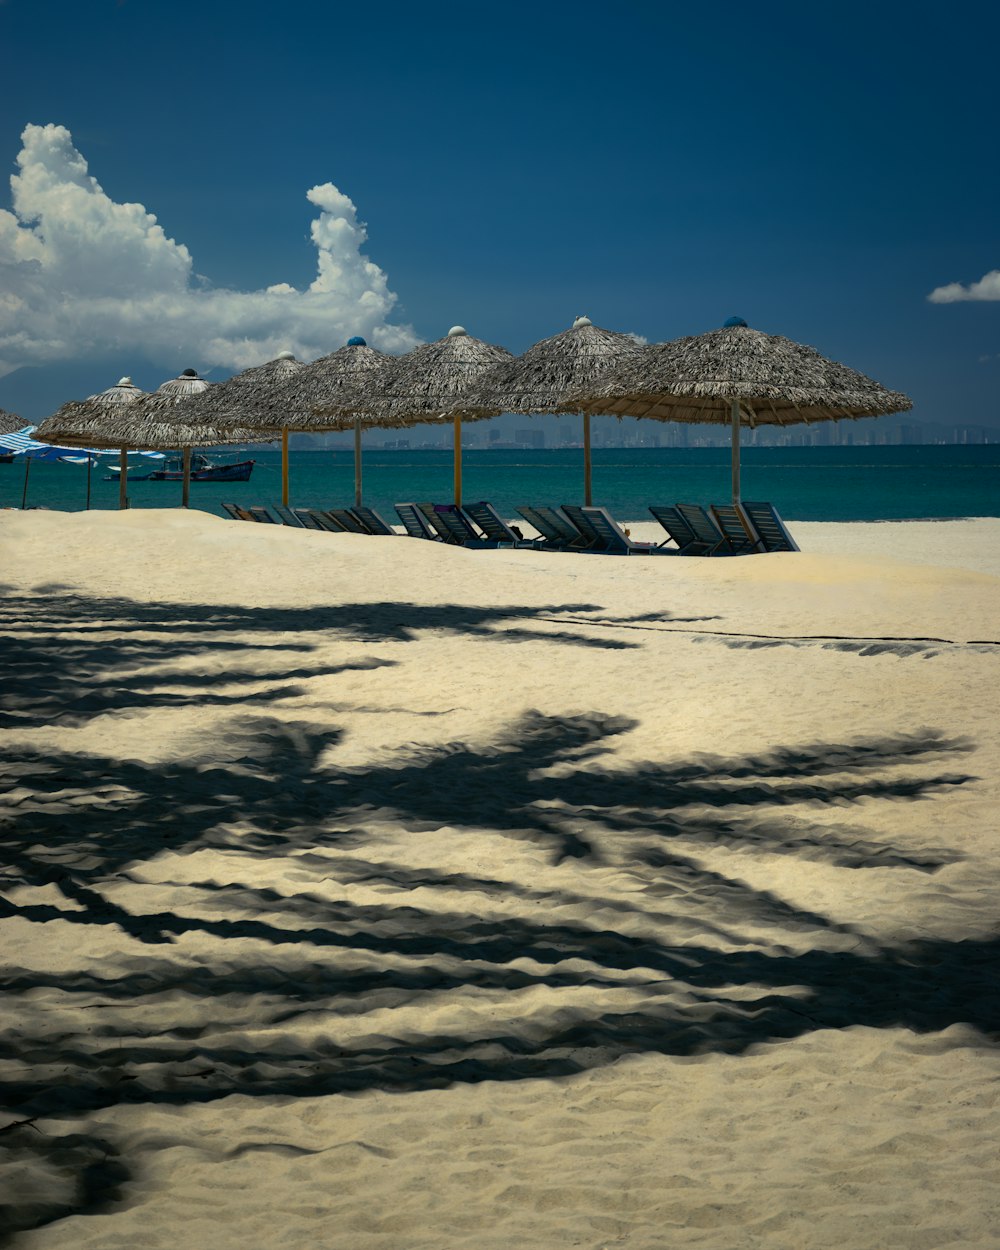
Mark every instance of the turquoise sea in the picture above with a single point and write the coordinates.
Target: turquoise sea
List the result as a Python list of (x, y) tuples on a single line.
[(805, 483)]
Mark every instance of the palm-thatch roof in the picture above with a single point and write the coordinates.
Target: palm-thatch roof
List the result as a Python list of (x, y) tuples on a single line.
[(246, 400), (774, 380), (124, 419), (10, 423), (548, 374), (428, 383), (333, 392)]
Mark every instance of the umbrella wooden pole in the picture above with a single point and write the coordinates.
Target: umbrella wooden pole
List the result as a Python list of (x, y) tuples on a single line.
[(24, 493), (736, 450), (588, 495), (458, 462), (90, 465), (123, 479), (186, 485), (284, 467), (357, 462)]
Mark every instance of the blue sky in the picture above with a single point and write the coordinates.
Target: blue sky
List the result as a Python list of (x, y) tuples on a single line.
[(817, 169)]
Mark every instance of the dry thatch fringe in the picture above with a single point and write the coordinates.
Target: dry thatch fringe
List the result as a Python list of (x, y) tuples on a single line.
[(545, 377), (428, 383), (777, 382), (246, 400), (146, 421), (343, 378), (10, 422)]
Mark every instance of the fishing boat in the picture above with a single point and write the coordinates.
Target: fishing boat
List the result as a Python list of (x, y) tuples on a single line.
[(202, 470)]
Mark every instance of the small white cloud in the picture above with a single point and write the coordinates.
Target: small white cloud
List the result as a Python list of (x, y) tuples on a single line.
[(987, 288), (81, 275)]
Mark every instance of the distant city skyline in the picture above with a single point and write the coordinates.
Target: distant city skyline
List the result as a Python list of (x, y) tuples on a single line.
[(825, 174)]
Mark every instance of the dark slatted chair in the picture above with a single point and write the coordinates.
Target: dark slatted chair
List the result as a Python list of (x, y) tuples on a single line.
[(740, 534), (769, 526), (592, 538), (678, 530), (236, 512), (372, 522), (556, 532), (495, 527), (707, 532), (287, 515), (616, 540), (415, 522), (346, 519), (261, 514), (460, 529)]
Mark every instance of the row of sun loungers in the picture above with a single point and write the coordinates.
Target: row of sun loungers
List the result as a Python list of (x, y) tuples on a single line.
[(721, 529)]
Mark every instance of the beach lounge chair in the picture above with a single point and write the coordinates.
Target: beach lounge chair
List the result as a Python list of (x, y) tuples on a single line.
[(495, 527), (434, 520), (678, 530), (372, 522), (236, 512), (313, 519), (259, 513), (460, 529), (416, 523), (711, 538), (346, 519), (556, 532), (769, 526), (287, 515), (593, 540), (740, 534), (617, 541)]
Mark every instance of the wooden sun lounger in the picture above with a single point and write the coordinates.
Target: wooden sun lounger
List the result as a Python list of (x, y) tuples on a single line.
[(740, 534), (372, 522), (678, 530), (616, 540), (769, 526), (592, 539), (707, 532), (459, 526), (236, 512), (556, 532), (346, 519), (495, 527), (437, 524), (287, 515), (416, 523)]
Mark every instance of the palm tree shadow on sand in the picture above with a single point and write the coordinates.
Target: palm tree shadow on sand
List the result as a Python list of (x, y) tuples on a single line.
[(600, 930)]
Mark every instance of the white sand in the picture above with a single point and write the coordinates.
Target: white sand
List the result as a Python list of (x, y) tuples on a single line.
[(367, 894)]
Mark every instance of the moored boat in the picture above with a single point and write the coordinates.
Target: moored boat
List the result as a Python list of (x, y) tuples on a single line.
[(202, 470)]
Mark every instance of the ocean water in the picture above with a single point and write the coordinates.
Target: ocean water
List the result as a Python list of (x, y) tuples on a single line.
[(804, 483)]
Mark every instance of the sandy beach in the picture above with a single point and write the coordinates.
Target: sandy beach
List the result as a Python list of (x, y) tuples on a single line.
[(366, 894)]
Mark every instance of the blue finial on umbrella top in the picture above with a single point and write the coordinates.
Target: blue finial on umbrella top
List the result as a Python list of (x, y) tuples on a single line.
[(357, 341), (733, 321)]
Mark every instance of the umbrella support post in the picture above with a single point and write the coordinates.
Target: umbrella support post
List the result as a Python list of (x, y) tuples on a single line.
[(736, 450), (123, 479), (357, 462), (24, 493), (90, 465), (284, 467), (458, 462), (588, 496), (186, 486)]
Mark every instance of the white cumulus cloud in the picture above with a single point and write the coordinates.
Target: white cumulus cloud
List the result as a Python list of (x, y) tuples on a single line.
[(987, 288), (81, 275)]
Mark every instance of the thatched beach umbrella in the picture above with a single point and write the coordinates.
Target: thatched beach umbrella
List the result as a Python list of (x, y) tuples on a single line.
[(738, 376), (333, 392), (148, 421), (430, 384), (70, 425), (9, 423), (247, 401), (284, 395), (548, 374)]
